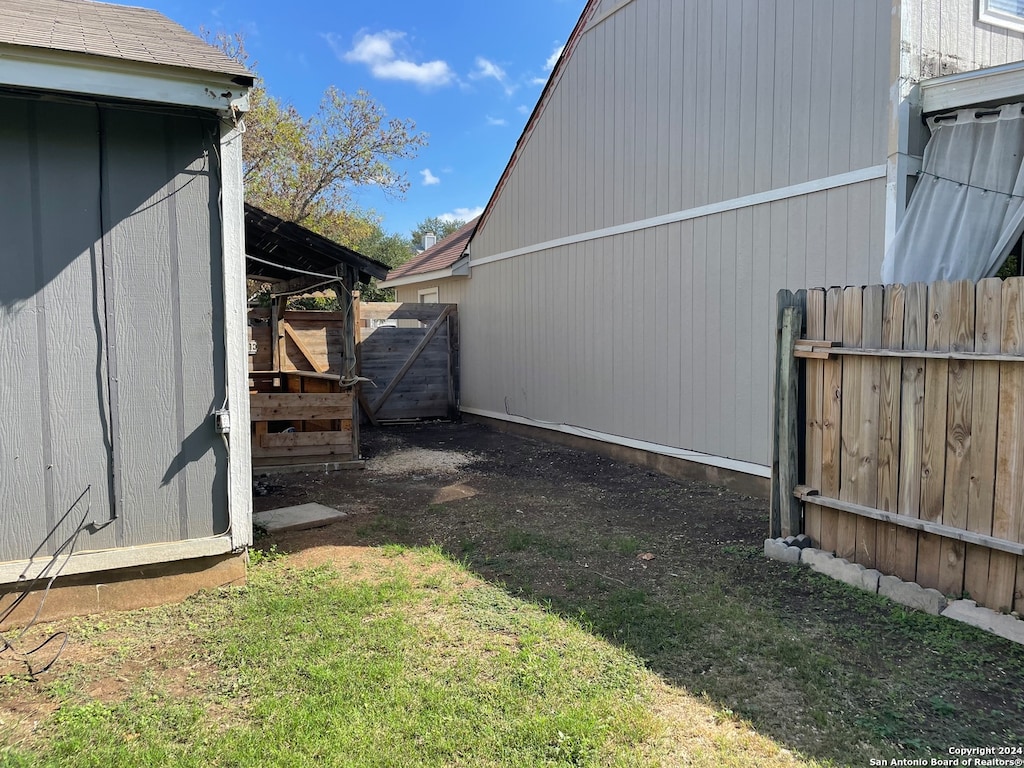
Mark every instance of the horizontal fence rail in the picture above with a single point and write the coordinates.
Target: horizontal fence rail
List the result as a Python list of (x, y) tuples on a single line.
[(912, 432)]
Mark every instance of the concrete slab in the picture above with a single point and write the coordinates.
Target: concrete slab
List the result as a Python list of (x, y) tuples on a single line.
[(297, 518)]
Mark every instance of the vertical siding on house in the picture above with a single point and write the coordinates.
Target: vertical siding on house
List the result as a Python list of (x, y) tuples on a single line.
[(152, 229), (943, 37), (55, 428), (168, 299), (666, 334)]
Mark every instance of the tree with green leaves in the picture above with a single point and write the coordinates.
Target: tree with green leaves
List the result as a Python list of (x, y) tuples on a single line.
[(303, 169), (391, 249), (440, 227)]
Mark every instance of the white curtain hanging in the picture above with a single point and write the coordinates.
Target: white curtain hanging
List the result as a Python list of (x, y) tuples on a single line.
[(967, 209)]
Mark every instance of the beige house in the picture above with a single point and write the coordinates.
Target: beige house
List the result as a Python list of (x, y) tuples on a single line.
[(685, 161), (425, 277)]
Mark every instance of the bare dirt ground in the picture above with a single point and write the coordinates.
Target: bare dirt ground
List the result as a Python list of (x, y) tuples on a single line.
[(674, 571)]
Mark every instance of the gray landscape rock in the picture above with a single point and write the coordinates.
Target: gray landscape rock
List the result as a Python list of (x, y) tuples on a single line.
[(776, 549), (912, 595), (969, 612)]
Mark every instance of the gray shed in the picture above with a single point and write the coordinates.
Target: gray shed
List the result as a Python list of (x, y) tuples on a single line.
[(122, 308)]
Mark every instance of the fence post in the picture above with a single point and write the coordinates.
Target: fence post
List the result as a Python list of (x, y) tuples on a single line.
[(786, 510)]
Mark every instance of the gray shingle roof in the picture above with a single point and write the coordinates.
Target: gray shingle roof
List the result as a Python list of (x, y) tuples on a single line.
[(112, 31), (439, 256)]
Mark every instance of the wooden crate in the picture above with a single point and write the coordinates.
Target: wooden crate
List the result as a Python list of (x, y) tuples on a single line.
[(300, 418)]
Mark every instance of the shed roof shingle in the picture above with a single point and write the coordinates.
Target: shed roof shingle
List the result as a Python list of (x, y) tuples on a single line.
[(440, 256), (113, 31)]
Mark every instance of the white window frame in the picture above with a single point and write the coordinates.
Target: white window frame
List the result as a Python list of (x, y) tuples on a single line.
[(989, 14), (424, 295)]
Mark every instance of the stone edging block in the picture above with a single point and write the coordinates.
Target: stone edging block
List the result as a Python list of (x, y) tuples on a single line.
[(905, 593)]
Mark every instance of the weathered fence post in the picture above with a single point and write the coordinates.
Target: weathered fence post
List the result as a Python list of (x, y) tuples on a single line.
[(786, 510)]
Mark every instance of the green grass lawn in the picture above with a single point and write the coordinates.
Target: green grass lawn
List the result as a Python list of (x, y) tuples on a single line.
[(394, 657)]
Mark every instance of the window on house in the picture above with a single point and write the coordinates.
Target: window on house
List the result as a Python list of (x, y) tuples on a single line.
[(427, 296), (1002, 13)]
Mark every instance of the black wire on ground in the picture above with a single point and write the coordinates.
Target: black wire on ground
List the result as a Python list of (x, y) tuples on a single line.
[(50, 571)]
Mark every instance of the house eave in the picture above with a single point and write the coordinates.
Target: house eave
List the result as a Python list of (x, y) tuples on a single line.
[(422, 277), (81, 74), (994, 85)]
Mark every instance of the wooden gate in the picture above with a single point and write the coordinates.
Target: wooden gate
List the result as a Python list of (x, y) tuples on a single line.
[(409, 352), (900, 431)]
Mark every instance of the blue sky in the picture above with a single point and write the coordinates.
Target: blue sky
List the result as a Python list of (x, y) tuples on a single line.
[(468, 72)]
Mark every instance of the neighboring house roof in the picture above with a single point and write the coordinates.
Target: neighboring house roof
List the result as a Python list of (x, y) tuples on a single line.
[(112, 31), (439, 256), (290, 246)]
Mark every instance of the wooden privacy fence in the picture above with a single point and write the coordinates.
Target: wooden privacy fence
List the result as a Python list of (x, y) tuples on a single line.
[(410, 353), (900, 431)]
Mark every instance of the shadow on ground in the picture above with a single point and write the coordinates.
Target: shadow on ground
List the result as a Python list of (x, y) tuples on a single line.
[(673, 570)]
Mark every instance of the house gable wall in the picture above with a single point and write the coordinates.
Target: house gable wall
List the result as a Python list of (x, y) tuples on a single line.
[(764, 110)]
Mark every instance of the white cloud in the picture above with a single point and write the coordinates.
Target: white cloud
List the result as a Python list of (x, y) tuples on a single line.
[(553, 58), (522, 109), (465, 214), (377, 51), (429, 179), (486, 68), (496, 120), (538, 81)]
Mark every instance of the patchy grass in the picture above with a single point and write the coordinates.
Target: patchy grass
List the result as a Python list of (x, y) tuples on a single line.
[(397, 657), (673, 572)]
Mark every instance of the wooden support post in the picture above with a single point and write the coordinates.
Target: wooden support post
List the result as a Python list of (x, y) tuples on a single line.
[(279, 304), (351, 363), (786, 511), (275, 347), (789, 453), (453, 373), (359, 401)]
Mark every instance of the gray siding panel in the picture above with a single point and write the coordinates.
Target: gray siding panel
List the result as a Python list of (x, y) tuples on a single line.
[(55, 432), (159, 170), (21, 446), (156, 196), (74, 346), (201, 302)]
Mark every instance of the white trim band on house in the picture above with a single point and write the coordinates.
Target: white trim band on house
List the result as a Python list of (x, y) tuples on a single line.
[(966, 89), (81, 74), (747, 201), (746, 467), (22, 571), (422, 277)]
